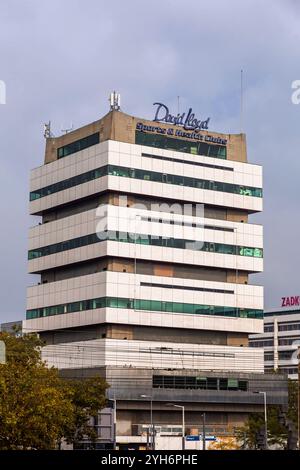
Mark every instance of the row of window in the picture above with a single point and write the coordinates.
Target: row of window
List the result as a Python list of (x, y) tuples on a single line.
[(269, 356), (282, 355), (269, 328), (270, 342), (261, 344), (200, 383), (139, 304), (78, 145), (289, 326), (170, 143), (187, 224), (288, 370), (198, 289), (145, 175), (288, 341), (285, 355), (142, 239), (187, 162)]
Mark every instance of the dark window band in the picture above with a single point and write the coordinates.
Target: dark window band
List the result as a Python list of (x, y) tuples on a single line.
[(180, 145), (143, 239), (186, 224), (78, 145), (197, 289), (145, 175), (199, 383), (188, 162), (140, 304)]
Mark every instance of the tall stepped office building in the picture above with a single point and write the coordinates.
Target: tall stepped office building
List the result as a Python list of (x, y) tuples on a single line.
[(144, 252)]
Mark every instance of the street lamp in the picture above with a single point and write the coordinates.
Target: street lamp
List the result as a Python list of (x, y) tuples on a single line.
[(114, 400), (203, 432), (183, 423), (152, 434), (265, 412)]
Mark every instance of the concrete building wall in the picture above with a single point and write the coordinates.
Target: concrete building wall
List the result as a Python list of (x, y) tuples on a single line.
[(281, 341), (144, 354)]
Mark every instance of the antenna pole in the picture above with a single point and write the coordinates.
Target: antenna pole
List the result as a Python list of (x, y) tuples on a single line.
[(242, 101)]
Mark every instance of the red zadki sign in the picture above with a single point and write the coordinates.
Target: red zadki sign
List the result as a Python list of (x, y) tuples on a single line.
[(290, 301)]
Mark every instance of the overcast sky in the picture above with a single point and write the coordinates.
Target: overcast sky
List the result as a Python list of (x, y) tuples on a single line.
[(61, 59)]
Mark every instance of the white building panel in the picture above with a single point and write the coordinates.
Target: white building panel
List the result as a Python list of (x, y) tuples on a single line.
[(126, 285), (145, 252), (103, 153), (146, 354), (135, 221), (142, 318)]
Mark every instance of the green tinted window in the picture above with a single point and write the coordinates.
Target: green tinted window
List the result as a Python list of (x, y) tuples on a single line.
[(140, 304), (78, 145), (180, 145), (146, 176), (144, 239)]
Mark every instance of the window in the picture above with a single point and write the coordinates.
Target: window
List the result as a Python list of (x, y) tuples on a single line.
[(261, 344), (268, 328), (286, 355), (200, 383), (139, 304), (288, 341), (180, 287), (187, 162), (78, 145), (289, 326), (269, 356), (141, 175), (142, 239), (170, 143)]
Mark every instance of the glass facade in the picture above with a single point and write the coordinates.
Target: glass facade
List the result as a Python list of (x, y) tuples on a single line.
[(199, 383), (289, 326), (143, 239), (78, 145), (188, 162), (197, 289), (186, 224), (145, 175), (146, 305), (261, 343), (186, 146)]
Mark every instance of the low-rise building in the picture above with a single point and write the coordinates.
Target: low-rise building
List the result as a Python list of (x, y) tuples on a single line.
[(280, 340)]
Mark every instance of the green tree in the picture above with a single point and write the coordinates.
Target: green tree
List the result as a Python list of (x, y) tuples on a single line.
[(88, 398), (37, 407), (293, 402), (248, 435), (277, 431)]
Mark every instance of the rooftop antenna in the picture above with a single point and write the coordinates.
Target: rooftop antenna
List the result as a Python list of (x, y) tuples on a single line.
[(242, 100), (47, 130), (68, 129), (115, 101), (178, 107)]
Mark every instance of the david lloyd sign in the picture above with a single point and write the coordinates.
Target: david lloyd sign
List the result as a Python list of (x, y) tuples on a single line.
[(187, 120)]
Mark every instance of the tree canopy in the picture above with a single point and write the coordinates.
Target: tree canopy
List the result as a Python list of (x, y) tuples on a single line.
[(38, 408)]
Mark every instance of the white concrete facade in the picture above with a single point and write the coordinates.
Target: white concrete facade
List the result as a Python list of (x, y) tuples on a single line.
[(145, 354), (226, 243), (130, 156), (280, 341)]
